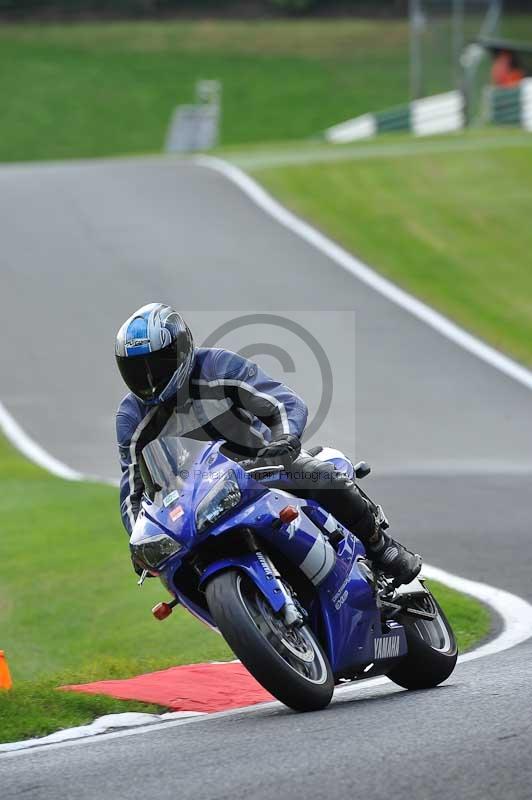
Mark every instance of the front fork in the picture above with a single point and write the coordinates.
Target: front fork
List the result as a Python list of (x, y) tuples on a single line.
[(291, 614)]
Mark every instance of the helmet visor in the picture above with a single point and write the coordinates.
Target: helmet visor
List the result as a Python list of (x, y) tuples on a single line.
[(148, 375)]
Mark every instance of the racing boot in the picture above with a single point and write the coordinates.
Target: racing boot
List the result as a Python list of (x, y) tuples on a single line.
[(336, 492), (392, 558)]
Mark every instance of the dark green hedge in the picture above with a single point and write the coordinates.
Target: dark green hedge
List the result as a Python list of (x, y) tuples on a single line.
[(248, 7), (154, 7)]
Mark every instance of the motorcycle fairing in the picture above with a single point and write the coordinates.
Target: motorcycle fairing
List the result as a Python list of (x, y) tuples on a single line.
[(344, 613)]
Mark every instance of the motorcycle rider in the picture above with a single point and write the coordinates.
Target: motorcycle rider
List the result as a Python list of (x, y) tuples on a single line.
[(214, 394)]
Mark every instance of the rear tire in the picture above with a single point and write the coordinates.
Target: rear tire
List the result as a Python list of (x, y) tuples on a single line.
[(288, 662), (432, 650)]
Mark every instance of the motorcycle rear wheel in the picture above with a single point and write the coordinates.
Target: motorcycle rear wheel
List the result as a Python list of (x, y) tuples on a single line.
[(432, 649), (288, 661)]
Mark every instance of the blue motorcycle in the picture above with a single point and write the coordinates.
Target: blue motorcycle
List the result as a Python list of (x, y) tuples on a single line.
[(290, 589)]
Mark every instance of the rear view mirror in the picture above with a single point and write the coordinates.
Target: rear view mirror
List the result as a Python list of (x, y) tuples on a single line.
[(362, 469)]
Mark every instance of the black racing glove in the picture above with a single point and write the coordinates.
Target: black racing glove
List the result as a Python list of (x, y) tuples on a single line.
[(283, 450)]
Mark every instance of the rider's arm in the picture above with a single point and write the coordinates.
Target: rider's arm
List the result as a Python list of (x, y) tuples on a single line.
[(131, 485), (274, 403)]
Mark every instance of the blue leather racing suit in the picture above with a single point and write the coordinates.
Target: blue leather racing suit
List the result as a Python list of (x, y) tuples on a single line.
[(233, 399)]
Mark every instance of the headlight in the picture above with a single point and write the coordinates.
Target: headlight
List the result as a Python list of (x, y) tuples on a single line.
[(151, 552), (225, 495)]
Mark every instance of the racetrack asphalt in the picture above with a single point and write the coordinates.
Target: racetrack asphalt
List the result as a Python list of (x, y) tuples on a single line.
[(448, 437)]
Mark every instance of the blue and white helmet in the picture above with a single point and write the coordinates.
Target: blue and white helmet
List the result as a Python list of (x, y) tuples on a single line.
[(155, 353)]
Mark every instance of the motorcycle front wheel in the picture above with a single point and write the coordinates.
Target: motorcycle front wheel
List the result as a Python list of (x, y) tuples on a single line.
[(432, 649), (288, 661)]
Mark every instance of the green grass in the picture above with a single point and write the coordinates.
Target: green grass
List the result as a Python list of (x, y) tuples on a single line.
[(110, 88), (68, 599), (70, 610), (34, 709), (451, 227), (82, 90), (456, 234), (470, 620), (69, 607)]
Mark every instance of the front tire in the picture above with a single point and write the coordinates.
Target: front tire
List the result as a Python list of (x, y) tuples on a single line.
[(432, 649), (289, 662)]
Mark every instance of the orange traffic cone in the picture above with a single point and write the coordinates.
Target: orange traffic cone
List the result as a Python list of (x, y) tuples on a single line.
[(5, 675)]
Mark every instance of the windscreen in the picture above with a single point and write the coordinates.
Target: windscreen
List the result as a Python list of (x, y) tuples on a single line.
[(166, 464)]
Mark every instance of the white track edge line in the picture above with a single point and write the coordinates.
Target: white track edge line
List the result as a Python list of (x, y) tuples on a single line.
[(33, 451), (364, 273), (516, 615), (515, 612)]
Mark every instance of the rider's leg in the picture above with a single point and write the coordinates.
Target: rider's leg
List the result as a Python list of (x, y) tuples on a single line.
[(320, 481)]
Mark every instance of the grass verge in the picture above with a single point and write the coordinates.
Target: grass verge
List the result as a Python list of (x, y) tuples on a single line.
[(109, 88), (36, 708), (81, 90), (470, 620), (70, 612), (69, 608), (452, 227)]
